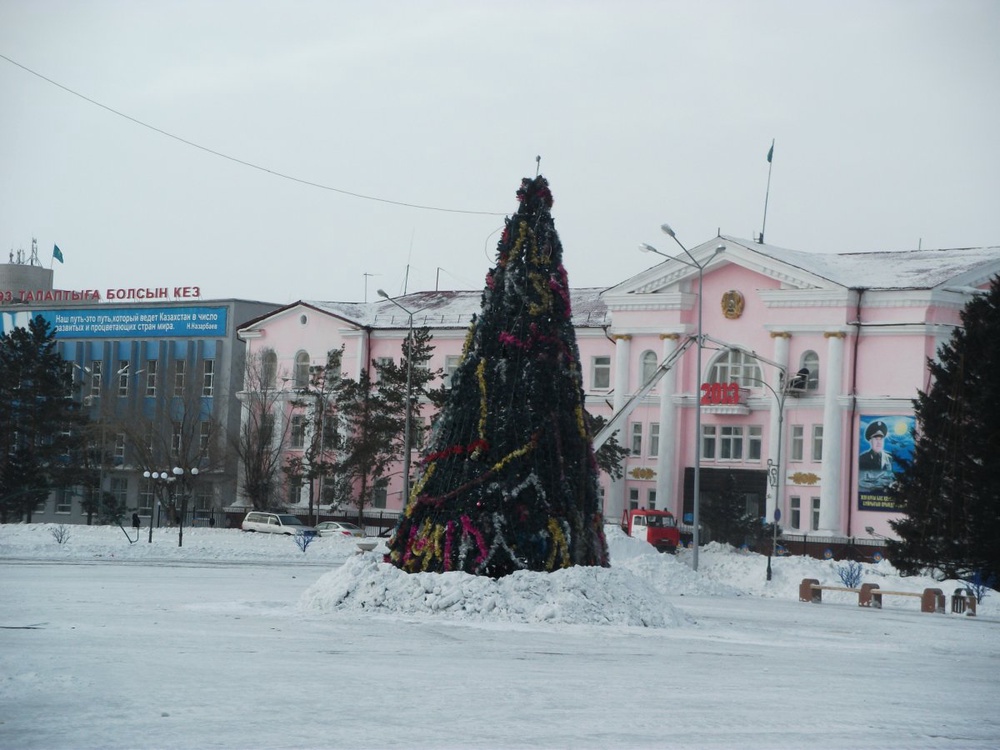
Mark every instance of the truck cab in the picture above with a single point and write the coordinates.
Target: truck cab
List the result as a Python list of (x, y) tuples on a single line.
[(658, 527)]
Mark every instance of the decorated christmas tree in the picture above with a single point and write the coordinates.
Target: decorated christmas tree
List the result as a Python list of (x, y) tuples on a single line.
[(509, 480)]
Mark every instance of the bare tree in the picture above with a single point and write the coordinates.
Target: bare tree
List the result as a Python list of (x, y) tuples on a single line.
[(318, 412), (260, 442), (178, 428)]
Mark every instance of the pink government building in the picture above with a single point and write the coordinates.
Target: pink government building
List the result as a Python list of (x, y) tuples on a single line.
[(810, 364)]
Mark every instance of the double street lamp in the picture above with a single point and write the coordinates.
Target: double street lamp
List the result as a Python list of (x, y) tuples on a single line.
[(409, 398), (693, 263), (168, 479)]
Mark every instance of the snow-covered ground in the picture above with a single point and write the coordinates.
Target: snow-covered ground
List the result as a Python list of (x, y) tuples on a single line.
[(244, 640)]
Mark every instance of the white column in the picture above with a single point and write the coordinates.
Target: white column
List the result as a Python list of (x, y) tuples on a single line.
[(833, 490), (775, 495), (667, 493), (615, 502)]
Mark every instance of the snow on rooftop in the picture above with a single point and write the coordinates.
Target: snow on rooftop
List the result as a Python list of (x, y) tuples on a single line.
[(903, 269), (450, 309)]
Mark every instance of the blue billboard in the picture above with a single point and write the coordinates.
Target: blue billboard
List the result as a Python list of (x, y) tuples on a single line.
[(107, 322)]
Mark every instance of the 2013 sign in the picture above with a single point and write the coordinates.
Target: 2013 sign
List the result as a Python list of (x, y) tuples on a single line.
[(720, 394)]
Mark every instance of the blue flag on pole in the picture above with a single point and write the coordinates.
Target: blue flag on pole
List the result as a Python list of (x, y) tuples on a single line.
[(57, 253), (770, 152)]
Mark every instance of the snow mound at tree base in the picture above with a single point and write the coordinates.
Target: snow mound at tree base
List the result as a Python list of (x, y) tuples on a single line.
[(581, 595)]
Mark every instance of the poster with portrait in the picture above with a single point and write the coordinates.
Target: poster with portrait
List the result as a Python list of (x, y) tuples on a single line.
[(884, 442)]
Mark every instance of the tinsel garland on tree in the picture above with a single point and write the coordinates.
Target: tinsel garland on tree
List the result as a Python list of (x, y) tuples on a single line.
[(509, 480)]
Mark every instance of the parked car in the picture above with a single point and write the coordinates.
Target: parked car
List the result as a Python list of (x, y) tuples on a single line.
[(331, 528), (275, 523)]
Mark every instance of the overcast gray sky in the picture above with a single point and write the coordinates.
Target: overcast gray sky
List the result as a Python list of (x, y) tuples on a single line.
[(885, 116)]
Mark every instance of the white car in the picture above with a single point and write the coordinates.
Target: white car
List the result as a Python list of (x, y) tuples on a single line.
[(275, 523), (333, 528)]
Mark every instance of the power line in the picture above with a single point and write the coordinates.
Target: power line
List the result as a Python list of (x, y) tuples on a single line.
[(242, 162)]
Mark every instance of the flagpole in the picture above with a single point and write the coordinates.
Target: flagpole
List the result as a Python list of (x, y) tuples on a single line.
[(770, 164)]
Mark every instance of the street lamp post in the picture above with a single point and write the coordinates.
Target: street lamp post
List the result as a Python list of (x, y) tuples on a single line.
[(409, 398), (774, 467), (183, 482), (696, 519), (164, 480)]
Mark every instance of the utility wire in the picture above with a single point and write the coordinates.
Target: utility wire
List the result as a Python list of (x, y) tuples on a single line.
[(241, 161)]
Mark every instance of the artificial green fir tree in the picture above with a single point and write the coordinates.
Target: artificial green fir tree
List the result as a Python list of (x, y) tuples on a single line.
[(509, 478)]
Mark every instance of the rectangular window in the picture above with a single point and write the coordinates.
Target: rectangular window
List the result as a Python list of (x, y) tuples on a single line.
[(651, 499), (294, 492), (796, 508), (175, 438), (636, 439), (204, 437), (146, 498), (654, 438), (96, 376), (633, 498), (179, 368), (151, 377), (731, 442), (451, 362), (41, 505), (380, 364), (708, 441), (817, 443), (119, 490), (208, 377), (64, 501), (755, 442), (203, 499), (797, 441), (815, 514), (600, 373), (379, 498), (122, 378), (119, 448), (298, 432)]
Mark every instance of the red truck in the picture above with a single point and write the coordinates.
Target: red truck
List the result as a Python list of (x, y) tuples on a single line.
[(658, 527)]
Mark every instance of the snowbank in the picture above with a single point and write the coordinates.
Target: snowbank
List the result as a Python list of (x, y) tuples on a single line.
[(642, 588)]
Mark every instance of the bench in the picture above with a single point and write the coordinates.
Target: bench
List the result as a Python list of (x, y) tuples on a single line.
[(870, 595)]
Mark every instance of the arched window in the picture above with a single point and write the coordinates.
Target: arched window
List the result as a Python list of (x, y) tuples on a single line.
[(810, 362), (302, 370), (735, 366), (649, 365), (269, 369)]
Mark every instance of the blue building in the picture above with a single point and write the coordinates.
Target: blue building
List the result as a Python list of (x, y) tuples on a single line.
[(159, 378)]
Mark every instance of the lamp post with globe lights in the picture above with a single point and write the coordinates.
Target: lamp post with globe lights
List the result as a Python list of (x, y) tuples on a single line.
[(700, 267), (185, 478), (163, 480)]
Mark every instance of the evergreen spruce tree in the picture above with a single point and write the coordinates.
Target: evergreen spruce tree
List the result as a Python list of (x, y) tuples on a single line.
[(509, 480), (40, 425), (950, 490)]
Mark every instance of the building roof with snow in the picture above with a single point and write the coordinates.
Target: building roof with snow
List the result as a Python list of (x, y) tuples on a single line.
[(441, 309)]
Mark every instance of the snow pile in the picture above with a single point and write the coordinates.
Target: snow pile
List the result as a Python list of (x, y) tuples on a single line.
[(642, 588), (200, 544), (579, 595)]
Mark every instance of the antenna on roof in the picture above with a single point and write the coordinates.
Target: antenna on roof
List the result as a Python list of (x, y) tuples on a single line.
[(770, 155), (366, 275)]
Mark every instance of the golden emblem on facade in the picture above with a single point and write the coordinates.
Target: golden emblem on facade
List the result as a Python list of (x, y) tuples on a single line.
[(732, 304), (638, 473), (804, 477)]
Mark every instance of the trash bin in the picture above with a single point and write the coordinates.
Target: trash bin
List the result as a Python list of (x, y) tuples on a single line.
[(959, 601)]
